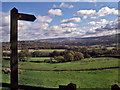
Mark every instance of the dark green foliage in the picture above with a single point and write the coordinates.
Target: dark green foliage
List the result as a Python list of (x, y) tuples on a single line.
[(6, 54), (55, 53), (86, 55), (24, 55), (68, 57), (59, 58), (40, 54), (78, 56), (47, 61)]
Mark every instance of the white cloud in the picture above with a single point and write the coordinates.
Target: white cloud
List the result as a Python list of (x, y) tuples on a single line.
[(31, 31), (39, 26), (71, 6), (93, 17), (84, 17), (23, 25), (63, 5), (109, 28), (57, 12), (99, 23), (85, 13), (53, 31), (72, 20), (26, 30), (5, 26), (44, 19), (68, 25), (93, 14), (106, 11), (75, 32), (66, 5), (93, 1), (54, 28)]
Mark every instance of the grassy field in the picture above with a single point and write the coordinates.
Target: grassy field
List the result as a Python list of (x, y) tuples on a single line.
[(38, 58), (90, 63), (42, 50), (52, 79), (110, 48), (90, 79)]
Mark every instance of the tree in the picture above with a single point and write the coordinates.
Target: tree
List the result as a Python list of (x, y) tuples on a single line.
[(36, 54), (55, 53), (68, 57), (78, 56), (59, 58), (86, 55), (24, 55), (7, 54), (21, 56), (104, 48)]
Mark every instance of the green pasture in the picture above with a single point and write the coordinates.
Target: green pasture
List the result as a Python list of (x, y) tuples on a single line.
[(42, 50), (89, 63), (38, 58), (89, 79), (46, 50), (110, 48)]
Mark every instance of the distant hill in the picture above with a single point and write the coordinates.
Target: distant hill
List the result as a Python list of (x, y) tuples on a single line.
[(103, 40), (60, 43)]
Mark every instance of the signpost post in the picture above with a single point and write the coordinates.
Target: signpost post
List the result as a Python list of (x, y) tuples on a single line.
[(15, 16)]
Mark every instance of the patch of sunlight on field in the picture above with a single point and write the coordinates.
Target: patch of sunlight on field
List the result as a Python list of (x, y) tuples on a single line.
[(42, 50)]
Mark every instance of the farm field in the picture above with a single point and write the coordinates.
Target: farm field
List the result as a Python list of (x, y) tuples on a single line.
[(38, 58), (84, 64), (51, 75), (89, 79), (42, 50)]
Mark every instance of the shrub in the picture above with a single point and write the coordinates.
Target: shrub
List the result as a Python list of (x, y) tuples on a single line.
[(78, 56), (59, 58), (40, 54), (86, 55), (55, 53), (24, 55), (47, 61), (68, 57), (7, 54)]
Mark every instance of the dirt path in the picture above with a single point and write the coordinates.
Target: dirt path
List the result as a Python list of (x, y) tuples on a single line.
[(84, 70)]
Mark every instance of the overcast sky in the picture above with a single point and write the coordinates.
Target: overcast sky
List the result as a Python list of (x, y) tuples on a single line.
[(62, 19)]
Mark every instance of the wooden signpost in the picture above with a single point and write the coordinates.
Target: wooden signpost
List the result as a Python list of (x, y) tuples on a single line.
[(15, 16)]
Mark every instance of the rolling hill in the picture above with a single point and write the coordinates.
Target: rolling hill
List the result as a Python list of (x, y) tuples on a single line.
[(110, 41)]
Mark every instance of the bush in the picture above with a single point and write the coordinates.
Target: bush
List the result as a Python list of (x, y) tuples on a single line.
[(24, 55), (59, 58), (55, 53), (86, 55), (68, 57), (78, 56), (40, 54), (47, 61), (7, 54)]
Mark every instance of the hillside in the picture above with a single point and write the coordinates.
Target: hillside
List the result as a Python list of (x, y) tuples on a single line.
[(54, 43), (103, 40)]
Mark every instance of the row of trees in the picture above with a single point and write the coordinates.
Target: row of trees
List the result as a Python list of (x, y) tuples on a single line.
[(69, 56), (86, 51), (72, 54)]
